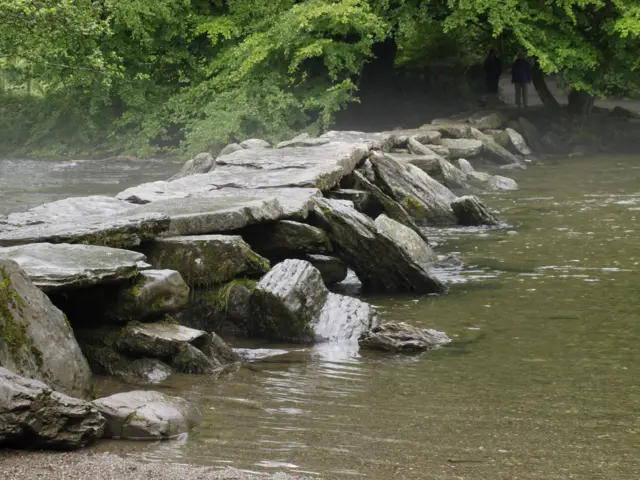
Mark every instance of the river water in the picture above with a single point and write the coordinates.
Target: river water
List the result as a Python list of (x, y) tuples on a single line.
[(542, 380)]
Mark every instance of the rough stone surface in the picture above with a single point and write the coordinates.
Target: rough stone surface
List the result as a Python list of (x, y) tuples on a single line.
[(232, 147), (429, 164), (146, 415), (205, 260), (157, 340), (333, 270), (465, 166), (35, 417), (201, 163), (463, 147), (385, 203), (471, 211), (402, 338), (439, 150), (255, 143), (498, 182), (361, 199), (492, 149), (453, 177), (407, 239), (486, 120), (303, 140), (419, 149), (376, 258), (147, 370), (426, 200), (291, 303), (54, 267), (95, 220), (531, 134), (500, 136), (228, 209), (518, 142), (35, 339), (152, 293), (285, 239), (319, 167)]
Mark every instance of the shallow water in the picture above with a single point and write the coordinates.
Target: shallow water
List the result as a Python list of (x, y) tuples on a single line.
[(26, 183), (542, 380)]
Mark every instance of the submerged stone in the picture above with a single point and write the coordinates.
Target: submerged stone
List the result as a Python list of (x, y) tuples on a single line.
[(471, 212), (35, 339), (402, 338), (146, 415), (147, 370), (33, 416), (54, 267), (206, 260)]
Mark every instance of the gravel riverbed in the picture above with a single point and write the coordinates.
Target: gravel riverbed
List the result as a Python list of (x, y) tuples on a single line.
[(104, 466)]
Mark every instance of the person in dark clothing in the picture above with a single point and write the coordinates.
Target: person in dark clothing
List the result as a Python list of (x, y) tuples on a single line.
[(521, 78), (493, 71)]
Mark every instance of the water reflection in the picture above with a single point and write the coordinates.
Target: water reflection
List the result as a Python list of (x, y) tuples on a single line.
[(541, 381)]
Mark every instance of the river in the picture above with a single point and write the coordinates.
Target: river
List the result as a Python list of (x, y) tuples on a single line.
[(542, 380)]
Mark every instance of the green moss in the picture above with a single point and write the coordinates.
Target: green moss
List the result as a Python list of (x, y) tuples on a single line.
[(12, 330), (169, 320), (220, 299), (415, 208), (66, 320)]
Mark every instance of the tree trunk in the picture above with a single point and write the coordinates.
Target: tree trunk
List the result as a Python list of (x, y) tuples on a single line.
[(580, 103), (540, 84)]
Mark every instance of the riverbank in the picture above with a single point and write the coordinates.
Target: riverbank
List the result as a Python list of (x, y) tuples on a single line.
[(17, 465)]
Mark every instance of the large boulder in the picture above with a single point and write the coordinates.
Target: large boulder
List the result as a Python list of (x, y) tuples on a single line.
[(94, 220), (35, 339), (206, 260), (378, 260), (152, 293), (486, 120), (518, 142), (291, 303), (286, 239), (472, 212), (425, 199), (201, 163), (463, 147), (146, 415), (531, 134), (402, 338), (55, 267), (230, 148), (500, 136), (33, 416), (406, 239), (493, 150)]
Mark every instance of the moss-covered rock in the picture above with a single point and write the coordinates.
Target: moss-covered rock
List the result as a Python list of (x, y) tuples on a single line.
[(426, 200), (35, 340), (207, 260), (151, 294)]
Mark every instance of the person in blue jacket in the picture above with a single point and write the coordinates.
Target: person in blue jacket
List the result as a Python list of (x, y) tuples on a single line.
[(521, 78)]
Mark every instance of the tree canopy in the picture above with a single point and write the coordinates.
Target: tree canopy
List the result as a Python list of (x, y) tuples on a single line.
[(176, 76)]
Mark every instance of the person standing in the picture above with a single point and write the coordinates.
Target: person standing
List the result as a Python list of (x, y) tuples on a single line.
[(521, 78), (493, 71)]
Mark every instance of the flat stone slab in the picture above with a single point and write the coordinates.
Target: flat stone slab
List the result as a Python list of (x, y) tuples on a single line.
[(319, 167), (157, 339), (54, 267), (227, 209), (95, 220), (463, 147)]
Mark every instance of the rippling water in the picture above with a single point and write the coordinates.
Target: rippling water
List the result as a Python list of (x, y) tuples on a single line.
[(542, 380), (25, 183)]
